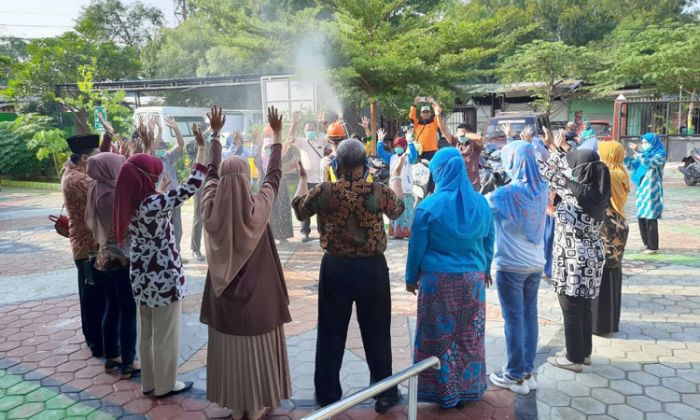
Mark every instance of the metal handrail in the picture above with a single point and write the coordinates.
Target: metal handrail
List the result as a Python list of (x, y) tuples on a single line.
[(367, 393)]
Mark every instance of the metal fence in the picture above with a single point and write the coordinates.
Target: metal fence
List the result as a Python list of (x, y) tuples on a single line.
[(677, 118)]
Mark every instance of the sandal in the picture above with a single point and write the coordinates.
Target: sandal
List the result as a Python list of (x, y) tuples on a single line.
[(564, 363), (586, 360), (258, 414)]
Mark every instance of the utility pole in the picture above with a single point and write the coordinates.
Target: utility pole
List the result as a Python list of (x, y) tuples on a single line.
[(180, 11)]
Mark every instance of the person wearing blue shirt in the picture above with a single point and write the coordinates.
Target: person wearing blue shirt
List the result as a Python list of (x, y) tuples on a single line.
[(449, 260), (401, 227), (386, 155), (519, 216)]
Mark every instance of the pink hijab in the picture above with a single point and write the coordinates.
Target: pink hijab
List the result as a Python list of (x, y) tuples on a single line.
[(104, 169)]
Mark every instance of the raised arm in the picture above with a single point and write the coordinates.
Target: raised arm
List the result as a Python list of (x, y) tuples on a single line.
[(291, 135), (381, 152), (180, 147), (441, 124), (364, 123)]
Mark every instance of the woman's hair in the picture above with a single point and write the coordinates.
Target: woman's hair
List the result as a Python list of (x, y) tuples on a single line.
[(351, 154)]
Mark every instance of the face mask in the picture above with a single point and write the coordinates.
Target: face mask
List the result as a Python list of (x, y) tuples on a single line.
[(398, 150), (645, 147), (311, 135), (160, 153), (462, 140)]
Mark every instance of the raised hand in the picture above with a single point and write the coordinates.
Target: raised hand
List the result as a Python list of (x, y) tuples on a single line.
[(381, 134), (146, 136), (217, 119), (165, 182), (198, 135), (526, 134), (296, 117), (507, 129), (436, 107), (409, 135), (275, 121), (548, 138), (560, 141), (108, 127), (364, 122), (81, 125), (123, 147), (399, 167), (171, 123), (633, 147)]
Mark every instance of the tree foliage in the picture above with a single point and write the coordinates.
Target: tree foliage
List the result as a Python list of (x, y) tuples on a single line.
[(114, 21), (550, 63)]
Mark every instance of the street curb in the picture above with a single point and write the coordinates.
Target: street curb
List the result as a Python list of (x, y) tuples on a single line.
[(50, 186)]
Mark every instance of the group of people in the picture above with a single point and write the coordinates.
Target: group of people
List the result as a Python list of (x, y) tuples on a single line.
[(125, 246)]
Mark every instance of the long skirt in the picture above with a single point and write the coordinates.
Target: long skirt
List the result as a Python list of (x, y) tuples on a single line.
[(248, 373), (401, 227), (281, 218), (451, 313), (606, 307)]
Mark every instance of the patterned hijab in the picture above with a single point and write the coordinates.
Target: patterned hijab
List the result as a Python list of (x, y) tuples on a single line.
[(612, 154), (656, 148), (455, 206), (136, 181), (104, 169), (524, 201)]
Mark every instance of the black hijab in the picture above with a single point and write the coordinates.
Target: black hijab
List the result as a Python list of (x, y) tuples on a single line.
[(590, 183)]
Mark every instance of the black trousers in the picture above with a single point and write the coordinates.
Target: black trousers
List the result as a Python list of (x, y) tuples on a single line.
[(344, 281), (119, 322), (606, 307), (578, 326), (306, 224), (649, 230), (92, 305)]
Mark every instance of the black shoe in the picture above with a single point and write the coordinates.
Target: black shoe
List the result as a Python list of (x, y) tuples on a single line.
[(187, 387), (112, 366), (384, 404), (129, 372), (306, 238)]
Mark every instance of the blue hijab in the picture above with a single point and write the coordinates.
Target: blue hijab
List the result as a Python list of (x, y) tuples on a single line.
[(524, 200), (455, 206), (637, 169)]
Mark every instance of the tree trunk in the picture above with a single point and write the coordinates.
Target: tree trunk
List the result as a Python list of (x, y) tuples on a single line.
[(691, 111), (373, 125)]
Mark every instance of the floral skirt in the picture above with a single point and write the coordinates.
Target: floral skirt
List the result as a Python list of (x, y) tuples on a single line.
[(401, 227), (451, 315)]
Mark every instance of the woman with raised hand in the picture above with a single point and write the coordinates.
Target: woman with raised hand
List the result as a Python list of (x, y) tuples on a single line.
[(144, 216), (245, 301), (449, 263), (583, 183), (606, 307), (519, 211), (112, 263), (647, 168)]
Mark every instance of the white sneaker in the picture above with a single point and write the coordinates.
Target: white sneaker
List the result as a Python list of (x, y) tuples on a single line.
[(531, 380), (500, 379)]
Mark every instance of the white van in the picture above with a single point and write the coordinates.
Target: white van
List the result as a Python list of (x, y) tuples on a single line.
[(241, 120), (184, 117)]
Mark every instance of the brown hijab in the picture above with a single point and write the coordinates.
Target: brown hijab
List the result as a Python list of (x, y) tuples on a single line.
[(234, 220), (104, 169)]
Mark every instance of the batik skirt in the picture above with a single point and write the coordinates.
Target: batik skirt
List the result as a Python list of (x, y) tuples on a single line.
[(451, 313), (401, 227)]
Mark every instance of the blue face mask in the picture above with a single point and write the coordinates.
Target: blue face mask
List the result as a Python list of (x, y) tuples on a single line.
[(311, 135), (462, 140), (398, 150), (160, 153)]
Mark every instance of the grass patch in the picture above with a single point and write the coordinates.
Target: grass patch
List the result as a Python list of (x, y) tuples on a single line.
[(671, 259)]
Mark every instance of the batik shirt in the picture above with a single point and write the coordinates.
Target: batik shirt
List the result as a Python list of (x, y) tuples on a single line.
[(350, 215), (579, 252), (75, 184), (157, 277)]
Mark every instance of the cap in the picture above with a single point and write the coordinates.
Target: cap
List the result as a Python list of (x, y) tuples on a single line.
[(400, 141), (81, 144), (425, 108)]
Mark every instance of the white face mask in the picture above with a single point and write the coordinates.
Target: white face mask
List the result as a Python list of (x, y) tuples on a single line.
[(645, 146)]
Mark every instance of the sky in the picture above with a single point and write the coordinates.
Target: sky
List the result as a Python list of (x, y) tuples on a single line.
[(45, 18)]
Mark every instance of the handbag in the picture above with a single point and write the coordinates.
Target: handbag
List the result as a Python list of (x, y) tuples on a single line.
[(60, 223)]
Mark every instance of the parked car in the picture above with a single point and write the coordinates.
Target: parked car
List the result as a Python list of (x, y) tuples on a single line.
[(184, 117), (603, 129), (518, 121)]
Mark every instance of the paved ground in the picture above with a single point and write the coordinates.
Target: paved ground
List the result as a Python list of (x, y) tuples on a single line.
[(650, 369)]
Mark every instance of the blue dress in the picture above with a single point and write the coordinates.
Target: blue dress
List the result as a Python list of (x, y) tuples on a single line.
[(649, 198)]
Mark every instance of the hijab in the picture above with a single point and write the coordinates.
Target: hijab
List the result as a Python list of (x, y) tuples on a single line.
[(524, 201), (656, 148), (612, 154), (590, 183), (234, 220), (455, 206), (136, 181), (104, 169)]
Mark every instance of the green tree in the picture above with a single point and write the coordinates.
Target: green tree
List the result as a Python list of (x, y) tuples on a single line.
[(549, 63), (131, 25)]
